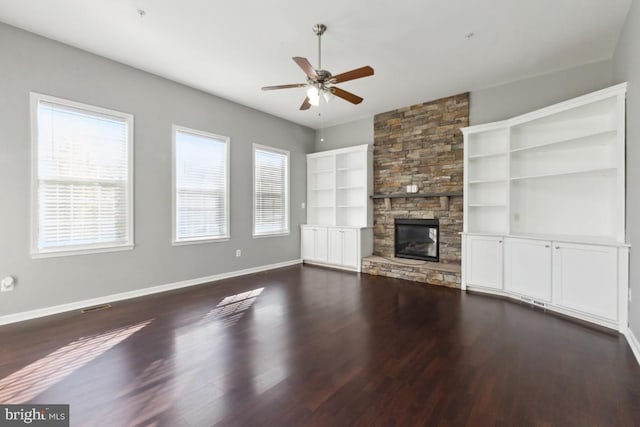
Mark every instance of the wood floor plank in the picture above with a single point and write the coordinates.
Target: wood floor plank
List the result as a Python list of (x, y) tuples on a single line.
[(307, 346)]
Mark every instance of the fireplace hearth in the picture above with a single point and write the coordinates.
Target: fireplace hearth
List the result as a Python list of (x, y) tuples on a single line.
[(417, 239)]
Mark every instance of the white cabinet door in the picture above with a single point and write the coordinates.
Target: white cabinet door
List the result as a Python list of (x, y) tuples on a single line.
[(528, 268), (320, 237), (484, 266), (335, 246), (350, 248), (585, 278), (308, 243)]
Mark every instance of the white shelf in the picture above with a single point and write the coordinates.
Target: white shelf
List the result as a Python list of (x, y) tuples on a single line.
[(577, 140), (481, 156), (566, 173), (487, 181), (572, 238), (339, 186)]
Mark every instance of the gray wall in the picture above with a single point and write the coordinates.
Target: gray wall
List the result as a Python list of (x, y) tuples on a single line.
[(32, 63), (626, 68), (512, 99), (495, 103), (345, 135)]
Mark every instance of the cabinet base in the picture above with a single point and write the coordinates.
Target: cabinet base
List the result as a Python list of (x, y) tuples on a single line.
[(337, 267), (609, 324)]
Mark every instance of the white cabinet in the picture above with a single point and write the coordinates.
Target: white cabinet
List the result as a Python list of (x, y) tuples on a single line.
[(551, 184), (485, 261), (339, 189), (341, 247), (314, 244), (335, 246), (588, 281), (528, 268), (585, 278)]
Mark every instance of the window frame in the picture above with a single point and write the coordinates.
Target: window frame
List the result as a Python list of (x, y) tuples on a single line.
[(287, 153), (174, 188), (70, 250)]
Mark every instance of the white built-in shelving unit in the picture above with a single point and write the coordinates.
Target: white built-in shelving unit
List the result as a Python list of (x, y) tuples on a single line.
[(543, 190), (339, 207)]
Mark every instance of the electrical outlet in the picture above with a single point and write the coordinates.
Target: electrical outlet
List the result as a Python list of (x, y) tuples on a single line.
[(303, 205), (7, 284), (238, 253)]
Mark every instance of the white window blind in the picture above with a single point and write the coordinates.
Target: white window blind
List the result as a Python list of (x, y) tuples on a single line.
[(201, 186), (271, 191), (83, 184)]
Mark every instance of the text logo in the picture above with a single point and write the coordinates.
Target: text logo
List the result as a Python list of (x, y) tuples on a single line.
[(34, 415)]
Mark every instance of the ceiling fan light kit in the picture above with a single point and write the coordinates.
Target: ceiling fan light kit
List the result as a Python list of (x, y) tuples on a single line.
[(320, 81)]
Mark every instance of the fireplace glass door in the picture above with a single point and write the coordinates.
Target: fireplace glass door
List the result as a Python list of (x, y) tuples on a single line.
[(417, 239)]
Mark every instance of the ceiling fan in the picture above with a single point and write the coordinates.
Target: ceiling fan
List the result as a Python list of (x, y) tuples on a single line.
[(320, 82)]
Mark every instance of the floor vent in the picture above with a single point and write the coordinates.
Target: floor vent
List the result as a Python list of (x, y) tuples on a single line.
[(95, 308), (534, 302)]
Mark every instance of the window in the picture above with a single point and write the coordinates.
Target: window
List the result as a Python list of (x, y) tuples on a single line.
[(201, 186), (270, 191), (82, 176)]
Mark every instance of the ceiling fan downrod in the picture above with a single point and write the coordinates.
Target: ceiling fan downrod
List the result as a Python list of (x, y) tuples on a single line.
[(319, 30)]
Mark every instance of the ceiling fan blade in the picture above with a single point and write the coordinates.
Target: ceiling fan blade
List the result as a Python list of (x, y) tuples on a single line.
[(306, 67), (305, 104), (353, 74), (347, 96), (291, 86)]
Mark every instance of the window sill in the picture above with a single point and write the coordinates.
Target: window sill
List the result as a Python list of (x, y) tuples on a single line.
[(199, 241), (80, 251), (262, 236)]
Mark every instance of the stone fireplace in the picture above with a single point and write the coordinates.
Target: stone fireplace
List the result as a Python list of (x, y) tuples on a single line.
[(420, 145)]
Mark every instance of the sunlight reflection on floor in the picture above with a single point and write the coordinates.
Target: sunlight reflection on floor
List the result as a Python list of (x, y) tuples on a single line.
[(28, 382)]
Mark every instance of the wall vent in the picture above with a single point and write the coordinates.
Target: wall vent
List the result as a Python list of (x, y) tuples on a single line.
[(95, 308)]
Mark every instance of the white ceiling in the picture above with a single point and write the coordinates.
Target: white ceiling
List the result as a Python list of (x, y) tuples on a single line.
[(418, 48)]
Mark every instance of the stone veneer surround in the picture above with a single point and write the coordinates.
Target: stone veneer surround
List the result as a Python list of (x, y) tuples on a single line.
[(421, 144)]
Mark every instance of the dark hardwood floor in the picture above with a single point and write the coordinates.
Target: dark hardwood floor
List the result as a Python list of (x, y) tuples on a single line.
[(310, 346)]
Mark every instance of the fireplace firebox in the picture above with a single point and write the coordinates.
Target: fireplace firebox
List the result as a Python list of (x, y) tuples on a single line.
[(417, 239)]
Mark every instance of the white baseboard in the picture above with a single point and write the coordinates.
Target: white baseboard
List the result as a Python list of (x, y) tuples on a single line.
[(634, 344), (78, 305)]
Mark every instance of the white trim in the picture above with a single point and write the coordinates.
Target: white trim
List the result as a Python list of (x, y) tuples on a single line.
[(93, 250), (199, 241), (35, 99), (206, 239), (77, 305), (340, 150), (336, 266), (607, 323), (287, 154), (263, 236), (634, 344)]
